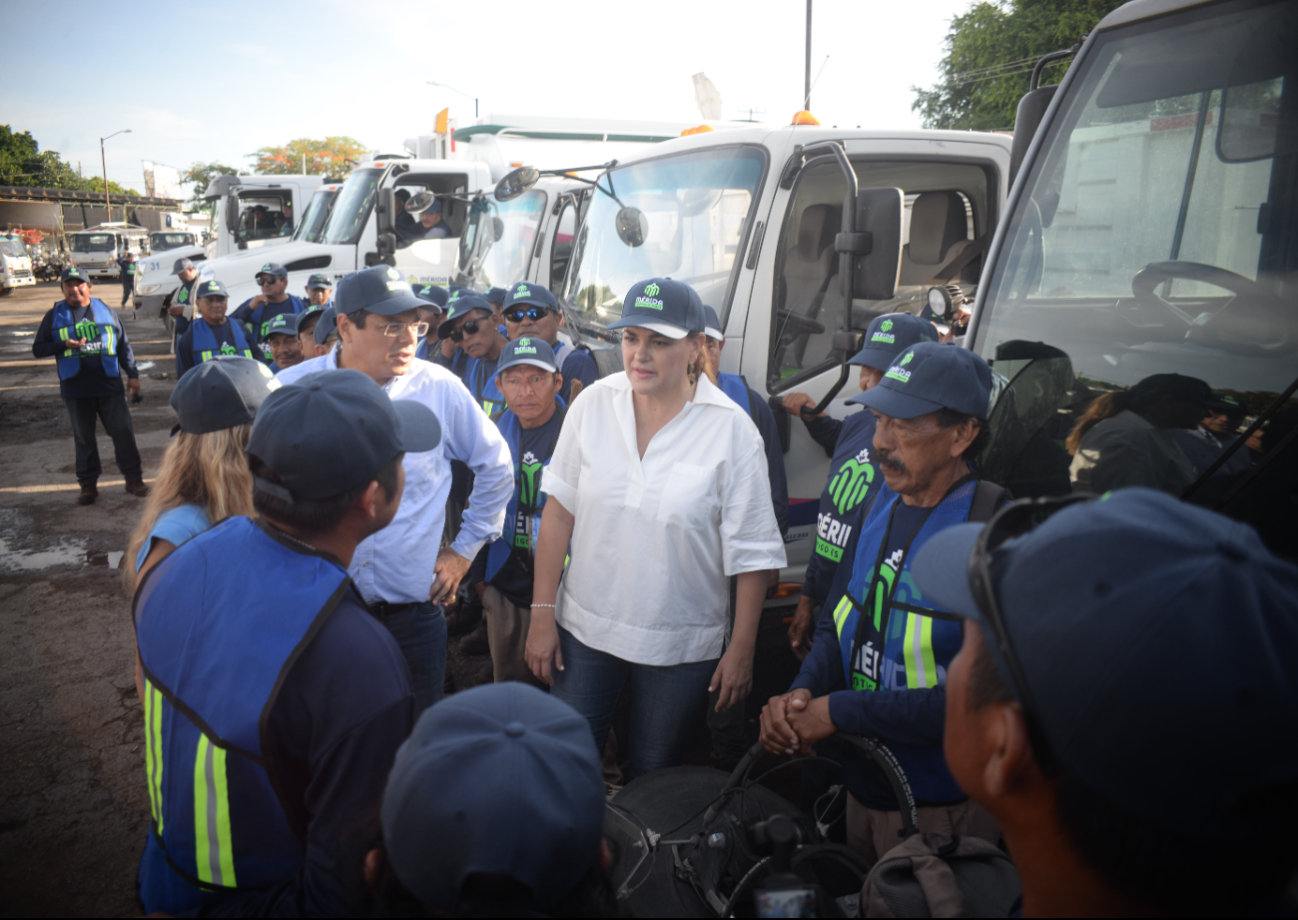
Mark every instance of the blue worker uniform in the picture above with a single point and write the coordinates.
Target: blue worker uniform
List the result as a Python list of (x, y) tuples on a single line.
[(574, 364), (480, 378), (202, 342), (259, 319), (854, 479)]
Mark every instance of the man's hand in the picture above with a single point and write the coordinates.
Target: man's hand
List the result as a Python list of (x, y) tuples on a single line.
[(777, 735), (75, 343), (734, 676), (810, 721), (447, 572), (803, 627), (795, 402), (257, 301), (176, 310), (133, 386)]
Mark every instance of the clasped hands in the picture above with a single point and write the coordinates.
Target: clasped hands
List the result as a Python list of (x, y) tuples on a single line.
[(793, 722)]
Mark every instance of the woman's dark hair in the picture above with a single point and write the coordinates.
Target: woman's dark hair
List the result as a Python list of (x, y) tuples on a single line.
[(315, 515), (949, 418), (1169, 872)]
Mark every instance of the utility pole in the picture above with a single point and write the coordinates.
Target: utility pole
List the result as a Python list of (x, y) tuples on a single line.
[(103, 161), (806, 96)]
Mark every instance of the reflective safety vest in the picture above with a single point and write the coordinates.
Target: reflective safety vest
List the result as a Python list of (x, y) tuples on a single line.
[(204, 344), (523, 511), (100, 325), (483, 387), (260, 329), (905, 641), (215, 648)]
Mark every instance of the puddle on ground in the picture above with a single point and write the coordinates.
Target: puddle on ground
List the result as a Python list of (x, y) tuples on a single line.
[(145, 366), (68, 552), (22, 332)]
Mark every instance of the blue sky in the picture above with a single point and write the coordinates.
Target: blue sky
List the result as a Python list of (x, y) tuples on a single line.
[(207, 82)]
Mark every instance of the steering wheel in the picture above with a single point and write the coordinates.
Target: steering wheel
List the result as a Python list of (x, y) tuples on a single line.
[(795, 324), (1253, 322)]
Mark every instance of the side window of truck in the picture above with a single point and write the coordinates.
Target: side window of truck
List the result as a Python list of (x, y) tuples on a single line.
[(948, 211)]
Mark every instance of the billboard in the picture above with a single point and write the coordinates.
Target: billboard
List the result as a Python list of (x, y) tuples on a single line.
[(161, 181)]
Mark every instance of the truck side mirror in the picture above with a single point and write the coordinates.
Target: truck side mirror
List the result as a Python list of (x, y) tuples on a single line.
[(232, 212), (517, 183), (385, 214), (1032, 109), (876, 244)]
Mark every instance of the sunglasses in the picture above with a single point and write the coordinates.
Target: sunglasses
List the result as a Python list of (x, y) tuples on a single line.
[(518, 314), (392, 330), (1014, 520), (269, 279), (469, 328)]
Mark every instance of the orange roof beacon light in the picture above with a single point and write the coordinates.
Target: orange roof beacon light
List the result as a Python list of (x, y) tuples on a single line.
[(698, 130), (804, 118)]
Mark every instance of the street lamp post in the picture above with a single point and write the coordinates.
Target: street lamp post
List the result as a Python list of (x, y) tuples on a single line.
[(461, 92), (103, 161)]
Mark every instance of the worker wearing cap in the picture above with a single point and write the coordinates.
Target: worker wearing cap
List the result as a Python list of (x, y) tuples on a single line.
[(90, 348), (274, 706), (319, 292), (1123, 703), (496, 297), (430, 225), (529, 377), (281, 338), (212, 334), (446, 351), (127, 267), (879, 660), (305, 326), (853, 473), (407, 228), (274, 299), (431, 312), (495, 808), (1216, 431), (324, 333), (401, 572), (180, 302), (469, 325), (532, 311)]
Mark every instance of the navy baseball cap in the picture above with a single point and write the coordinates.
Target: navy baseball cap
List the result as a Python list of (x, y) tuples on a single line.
[(888, 336), (282, 324), (271, 268), (664, 306), (929, 377), (527, 293), (333, 430), (1156, 641), (496, 295), (461, 304), (1177, 386), (502, 779), (536, 352), (327, 326), (220, 394), (712, 324), (434, 294), (306, 320), (181, 265), (210, 288), (319, 283), (380, 290), (72, 273)]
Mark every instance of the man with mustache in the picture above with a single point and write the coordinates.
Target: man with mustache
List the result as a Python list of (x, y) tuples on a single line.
[(878, 664)]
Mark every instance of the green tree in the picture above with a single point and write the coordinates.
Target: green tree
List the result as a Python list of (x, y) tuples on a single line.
[(326, 157), (200, 175), (990, 51)]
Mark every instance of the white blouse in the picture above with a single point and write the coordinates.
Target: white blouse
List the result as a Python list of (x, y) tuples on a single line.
[(656, 538)]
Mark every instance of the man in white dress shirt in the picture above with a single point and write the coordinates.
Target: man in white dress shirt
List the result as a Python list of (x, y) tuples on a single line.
[(400, 571)]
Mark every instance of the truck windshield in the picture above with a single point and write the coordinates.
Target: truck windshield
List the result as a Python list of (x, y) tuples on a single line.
[(497, 243), (164, 241), (93, 242), (352, 208), (695, 208), (1150, 240), (311, 227), (11, 247)]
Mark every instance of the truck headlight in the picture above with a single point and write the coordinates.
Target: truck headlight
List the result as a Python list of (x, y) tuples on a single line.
[(146, 289)]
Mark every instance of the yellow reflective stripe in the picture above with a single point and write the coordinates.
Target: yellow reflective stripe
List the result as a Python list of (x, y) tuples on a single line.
[(205, 356), (153, 750), (840, 614), (63, 332), (213, 852), (486, 406), (921, 669)]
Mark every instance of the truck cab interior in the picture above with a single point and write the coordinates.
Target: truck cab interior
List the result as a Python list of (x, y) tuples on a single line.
[(454, 212)]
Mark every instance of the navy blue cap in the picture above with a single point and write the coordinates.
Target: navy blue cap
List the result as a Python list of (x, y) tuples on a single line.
[(210, 288), (664, 306), (271, 268), (889, 335), (181, 265), (536, 352), (1156, 640), (282, 324), (327, 326), (435, 294), (712, 324), (221, 394), (496, 295), (929, 377), (380, 290), (461, 304), (72, 273), (306, 317), (331, 431), (525, 292), (319, 282), (502, 779)]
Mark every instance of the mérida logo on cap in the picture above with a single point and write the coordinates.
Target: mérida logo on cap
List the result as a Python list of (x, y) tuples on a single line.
[(524, 347), (898, 371), (649, 299), (884, 335)]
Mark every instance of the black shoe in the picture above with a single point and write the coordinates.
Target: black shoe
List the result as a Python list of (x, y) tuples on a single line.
[(475, 643), (138, 488), (89, 492)]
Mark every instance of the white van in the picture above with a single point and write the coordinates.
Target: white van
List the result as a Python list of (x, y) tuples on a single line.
[(96, 250), (15, 265)]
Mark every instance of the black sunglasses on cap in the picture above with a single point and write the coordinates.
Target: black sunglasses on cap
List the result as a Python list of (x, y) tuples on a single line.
[(518, 314)]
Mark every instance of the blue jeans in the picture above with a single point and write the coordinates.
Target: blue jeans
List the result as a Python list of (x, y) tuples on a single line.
[(665, 700), (420, 630)]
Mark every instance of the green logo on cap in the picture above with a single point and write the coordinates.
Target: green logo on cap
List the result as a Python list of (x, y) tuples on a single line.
[(651, 290), (898, 371), (524, 341), (268, 266), (906, 360), (522, 291), (886, 325)]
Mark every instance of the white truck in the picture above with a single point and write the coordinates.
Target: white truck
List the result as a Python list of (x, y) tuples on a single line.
[(1153, 229), (251, 212), (15, 265), (96, 249)]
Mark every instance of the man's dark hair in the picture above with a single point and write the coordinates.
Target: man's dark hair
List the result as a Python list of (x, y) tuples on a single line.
[(1159, 867), (949, 418), (315, 515)]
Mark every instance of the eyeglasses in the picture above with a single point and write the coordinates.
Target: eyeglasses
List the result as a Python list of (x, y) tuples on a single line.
[(270, 279), (469, 328), (392, 330), (517, 314), (1014, 520)]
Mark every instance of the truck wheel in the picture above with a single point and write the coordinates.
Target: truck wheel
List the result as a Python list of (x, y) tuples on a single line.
[(5, 292)]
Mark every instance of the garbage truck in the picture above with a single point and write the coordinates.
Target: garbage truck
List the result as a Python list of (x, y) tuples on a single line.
[(15, 264)]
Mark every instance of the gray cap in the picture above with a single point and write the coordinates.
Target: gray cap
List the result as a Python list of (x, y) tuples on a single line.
[(181, 265), (220, 394)]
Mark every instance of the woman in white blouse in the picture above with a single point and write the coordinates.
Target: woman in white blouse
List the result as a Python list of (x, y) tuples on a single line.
[(658, 490)]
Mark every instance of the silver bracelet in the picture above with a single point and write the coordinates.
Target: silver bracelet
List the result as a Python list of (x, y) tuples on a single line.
[(551, 606)]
